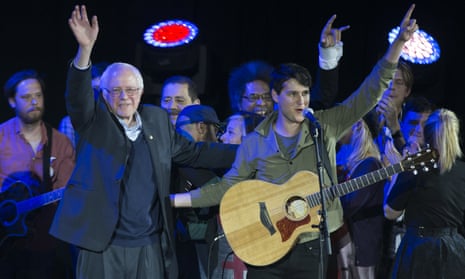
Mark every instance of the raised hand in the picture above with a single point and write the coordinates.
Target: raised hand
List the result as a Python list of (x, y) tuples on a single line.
[(388, 110), (408, 26), (331, 36), (84, 31)]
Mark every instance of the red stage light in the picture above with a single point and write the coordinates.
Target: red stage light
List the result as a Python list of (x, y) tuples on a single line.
[(170, 33)]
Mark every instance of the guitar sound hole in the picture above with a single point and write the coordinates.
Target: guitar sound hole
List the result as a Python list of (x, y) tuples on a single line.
[(296, 208)]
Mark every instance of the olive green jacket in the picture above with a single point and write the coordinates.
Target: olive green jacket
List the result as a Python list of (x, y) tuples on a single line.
[(259, 156)]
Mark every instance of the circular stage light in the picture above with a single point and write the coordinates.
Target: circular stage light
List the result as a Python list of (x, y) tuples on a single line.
[(170, 33), (422, 48)]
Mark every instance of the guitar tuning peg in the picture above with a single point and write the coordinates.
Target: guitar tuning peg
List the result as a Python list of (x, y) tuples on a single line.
[(435, 165), (415, 172), (425, 169)]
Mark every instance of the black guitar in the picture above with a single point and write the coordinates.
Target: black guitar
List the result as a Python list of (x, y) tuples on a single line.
[(17, 202)]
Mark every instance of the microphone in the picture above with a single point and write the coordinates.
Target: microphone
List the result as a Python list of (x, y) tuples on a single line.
[(308, 113)]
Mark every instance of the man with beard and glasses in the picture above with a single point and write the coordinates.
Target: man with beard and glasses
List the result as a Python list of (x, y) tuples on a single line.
[(35, 159)]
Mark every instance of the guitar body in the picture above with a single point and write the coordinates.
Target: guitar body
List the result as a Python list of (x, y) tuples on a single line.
[(262, 221), (12, 223), (17, 202)]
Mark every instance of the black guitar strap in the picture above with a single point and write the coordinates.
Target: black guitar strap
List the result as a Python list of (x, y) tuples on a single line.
[(47, 180)]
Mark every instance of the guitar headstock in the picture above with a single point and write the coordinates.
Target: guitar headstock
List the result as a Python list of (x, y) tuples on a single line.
[(423, 160)]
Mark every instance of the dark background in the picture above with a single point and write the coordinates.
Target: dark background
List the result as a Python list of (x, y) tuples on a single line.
[(35, 34)]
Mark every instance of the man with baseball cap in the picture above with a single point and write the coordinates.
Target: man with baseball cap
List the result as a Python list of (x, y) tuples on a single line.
[(196, 228), (200, 122)]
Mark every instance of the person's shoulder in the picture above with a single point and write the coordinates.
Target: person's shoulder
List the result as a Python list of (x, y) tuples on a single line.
[(60, 137), (152, 112), (370, 164), (372, 160), (152, 108), (6, 123), (460, 165), (6, 126), (254, 138)]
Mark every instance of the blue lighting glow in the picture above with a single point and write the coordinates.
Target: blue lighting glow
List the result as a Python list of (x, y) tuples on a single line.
[(422, 48)]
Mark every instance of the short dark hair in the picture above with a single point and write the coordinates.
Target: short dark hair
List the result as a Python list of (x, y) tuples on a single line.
[(9, 89), (287, 71), (191, 85), (418, 104), (245, 73)]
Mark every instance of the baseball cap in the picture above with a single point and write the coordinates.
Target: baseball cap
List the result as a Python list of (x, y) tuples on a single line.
[(197, 113)]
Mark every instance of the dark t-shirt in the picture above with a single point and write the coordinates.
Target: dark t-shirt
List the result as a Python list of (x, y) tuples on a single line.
[(363, 212)]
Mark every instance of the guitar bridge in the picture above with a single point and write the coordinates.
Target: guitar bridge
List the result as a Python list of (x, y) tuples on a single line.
[(265, 218)]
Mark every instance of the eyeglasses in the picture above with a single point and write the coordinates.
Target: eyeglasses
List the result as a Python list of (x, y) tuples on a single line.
[(116, 91), (255, 97)]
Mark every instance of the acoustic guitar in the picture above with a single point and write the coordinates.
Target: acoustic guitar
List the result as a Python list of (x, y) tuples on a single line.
[(262, 220), (17, 202)]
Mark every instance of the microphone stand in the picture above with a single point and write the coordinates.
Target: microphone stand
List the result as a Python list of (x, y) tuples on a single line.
[(315, 131)]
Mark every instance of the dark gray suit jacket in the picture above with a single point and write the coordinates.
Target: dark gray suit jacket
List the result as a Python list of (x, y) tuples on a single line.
[(88, 212)]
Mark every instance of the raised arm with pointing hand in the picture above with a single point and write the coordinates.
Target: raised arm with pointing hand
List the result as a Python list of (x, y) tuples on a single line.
[(408, 26)]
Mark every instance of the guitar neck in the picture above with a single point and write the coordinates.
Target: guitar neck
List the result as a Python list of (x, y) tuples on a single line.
[(355, 184), (39, 201)]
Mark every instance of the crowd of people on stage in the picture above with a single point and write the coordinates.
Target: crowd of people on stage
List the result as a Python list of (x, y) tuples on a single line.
[(133, 190)]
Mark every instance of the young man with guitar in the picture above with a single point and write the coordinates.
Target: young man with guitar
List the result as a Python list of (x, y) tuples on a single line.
[(36, 162), (281, 150)]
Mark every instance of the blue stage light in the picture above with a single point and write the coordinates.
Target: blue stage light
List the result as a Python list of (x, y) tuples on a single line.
[(422, 48)]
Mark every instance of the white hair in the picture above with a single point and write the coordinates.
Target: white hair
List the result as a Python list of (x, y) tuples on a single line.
[(113, 68)]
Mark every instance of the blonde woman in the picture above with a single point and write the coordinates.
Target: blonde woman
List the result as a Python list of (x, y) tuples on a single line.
[(363, 209), (433, 206), (239, 125)]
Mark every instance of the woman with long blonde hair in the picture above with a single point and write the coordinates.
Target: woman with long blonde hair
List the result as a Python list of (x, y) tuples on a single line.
[(434, 206), (363, 209)]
